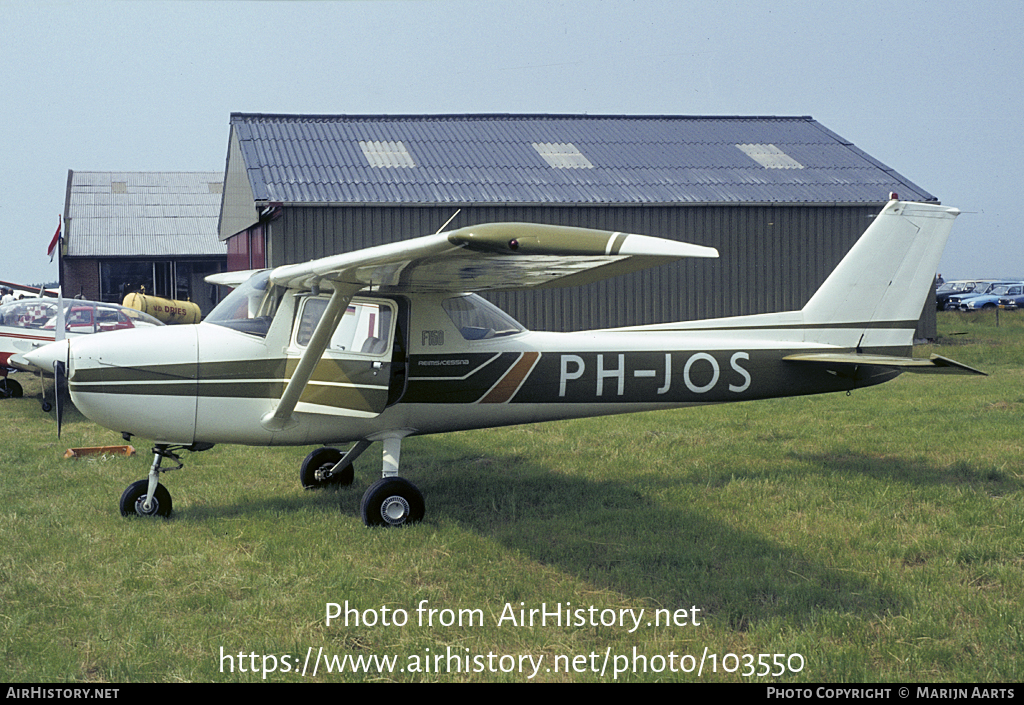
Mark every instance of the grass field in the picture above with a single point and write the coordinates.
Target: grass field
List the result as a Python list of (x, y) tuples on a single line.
[(872, 538)]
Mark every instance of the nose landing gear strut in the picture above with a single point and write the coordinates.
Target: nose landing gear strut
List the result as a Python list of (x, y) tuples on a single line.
[(148, 497)]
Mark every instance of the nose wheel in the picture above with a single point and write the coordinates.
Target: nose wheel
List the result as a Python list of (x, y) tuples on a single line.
[(148, 498), (134, 501)]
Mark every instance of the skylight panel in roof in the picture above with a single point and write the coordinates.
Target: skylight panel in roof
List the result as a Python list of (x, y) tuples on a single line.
[(769, 156), (387, 155), (562, 156)]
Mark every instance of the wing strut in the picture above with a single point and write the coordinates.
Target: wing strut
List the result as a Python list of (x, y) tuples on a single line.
[(281, 417)]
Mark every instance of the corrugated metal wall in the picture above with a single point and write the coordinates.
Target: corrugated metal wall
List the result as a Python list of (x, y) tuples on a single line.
[(772, 257)]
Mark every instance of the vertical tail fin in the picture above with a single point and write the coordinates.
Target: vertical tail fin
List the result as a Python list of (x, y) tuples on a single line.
[(881, 285)]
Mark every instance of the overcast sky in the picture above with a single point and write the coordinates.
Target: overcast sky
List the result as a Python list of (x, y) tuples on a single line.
[(932, 89)]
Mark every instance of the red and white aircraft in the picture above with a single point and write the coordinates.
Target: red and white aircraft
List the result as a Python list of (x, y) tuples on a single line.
[(27, 324)]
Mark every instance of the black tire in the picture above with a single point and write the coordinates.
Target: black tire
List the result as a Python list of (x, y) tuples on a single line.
[(135, 496), (392, 501), (10, 388), (323, 459)]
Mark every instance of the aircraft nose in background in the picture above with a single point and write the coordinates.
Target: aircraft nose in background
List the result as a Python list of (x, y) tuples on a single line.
[(45, 356)]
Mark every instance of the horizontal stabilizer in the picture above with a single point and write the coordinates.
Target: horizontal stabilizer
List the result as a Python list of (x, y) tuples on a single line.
[(936, 364), (231, 279)]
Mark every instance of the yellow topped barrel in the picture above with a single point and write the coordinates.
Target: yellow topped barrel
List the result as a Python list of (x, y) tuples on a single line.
[(167, 310)]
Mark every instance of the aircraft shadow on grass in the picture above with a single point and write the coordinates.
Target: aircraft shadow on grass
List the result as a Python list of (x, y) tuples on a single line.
[(610, 534), (616, 537)]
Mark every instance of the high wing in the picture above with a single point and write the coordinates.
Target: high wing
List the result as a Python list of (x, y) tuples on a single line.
[(490, 257)]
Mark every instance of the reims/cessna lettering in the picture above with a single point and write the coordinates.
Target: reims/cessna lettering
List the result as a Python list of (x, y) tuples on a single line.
[(392, 341)]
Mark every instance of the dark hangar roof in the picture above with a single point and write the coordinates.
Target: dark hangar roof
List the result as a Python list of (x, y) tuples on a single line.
[(556, 159)]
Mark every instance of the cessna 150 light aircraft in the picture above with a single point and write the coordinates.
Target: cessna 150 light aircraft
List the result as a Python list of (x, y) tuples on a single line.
[(390, 342)]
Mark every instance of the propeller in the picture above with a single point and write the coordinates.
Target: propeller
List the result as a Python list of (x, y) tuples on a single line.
[(60, 390), (56, 356)]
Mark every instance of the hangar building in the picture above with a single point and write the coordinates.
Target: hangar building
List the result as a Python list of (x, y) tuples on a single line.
[(782, 198), (128, 230)]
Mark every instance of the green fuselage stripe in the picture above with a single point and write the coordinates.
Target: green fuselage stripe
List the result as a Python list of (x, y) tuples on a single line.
[(614, 377)]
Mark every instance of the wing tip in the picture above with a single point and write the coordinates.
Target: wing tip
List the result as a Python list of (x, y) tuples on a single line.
[(645, 245)]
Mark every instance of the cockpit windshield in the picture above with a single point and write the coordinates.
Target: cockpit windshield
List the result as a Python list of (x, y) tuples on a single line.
[(250, 307)]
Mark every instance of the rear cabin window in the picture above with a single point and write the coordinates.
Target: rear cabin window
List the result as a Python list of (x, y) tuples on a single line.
[(479, 319)]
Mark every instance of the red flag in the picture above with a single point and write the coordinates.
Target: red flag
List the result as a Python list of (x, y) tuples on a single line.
[(53, 243)]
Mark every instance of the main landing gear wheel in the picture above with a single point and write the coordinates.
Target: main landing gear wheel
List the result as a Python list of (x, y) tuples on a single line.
[(317, 464), (10, 388), (392, 501), (133, 501)]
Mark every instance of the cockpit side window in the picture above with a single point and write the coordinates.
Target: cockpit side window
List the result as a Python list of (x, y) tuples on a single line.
[(365, 327)]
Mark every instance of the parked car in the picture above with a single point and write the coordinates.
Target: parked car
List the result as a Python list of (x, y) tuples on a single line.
[(1012, 302), (947, 289), (954, 301), (990, 300)]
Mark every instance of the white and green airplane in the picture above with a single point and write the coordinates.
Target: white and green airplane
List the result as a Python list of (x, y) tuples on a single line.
[(392, 341)]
